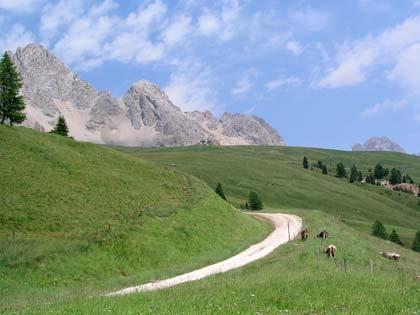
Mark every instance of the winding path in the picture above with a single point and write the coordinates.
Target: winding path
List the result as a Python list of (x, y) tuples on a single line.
[(286, 226)]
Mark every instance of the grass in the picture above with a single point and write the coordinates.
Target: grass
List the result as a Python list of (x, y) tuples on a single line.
[(296, 279), (277, 175), (78, 218)]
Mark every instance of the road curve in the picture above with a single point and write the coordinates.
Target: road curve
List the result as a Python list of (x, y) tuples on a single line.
[(286, 227)]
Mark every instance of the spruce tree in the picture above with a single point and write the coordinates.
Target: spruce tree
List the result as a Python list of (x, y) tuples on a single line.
[(305, 162), (393, 180), (378, 230), (416, 242), (254, 201), (220, 192), (360, 176), (320, 165), (394, 237), (379, 171), (61, 127), (324, 170), (11, 103), (353, 174), (341, 170)]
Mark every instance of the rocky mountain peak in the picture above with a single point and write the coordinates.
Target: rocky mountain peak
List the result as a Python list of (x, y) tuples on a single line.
[(145, 116), (378, 144)]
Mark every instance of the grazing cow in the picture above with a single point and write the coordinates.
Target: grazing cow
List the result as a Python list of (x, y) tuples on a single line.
[(392, 256), (418, 278), (330, 251), (304, 234), (323, 235)]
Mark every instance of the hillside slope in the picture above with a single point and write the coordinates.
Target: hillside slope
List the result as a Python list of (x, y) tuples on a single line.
[(277, 175), (77, 216)]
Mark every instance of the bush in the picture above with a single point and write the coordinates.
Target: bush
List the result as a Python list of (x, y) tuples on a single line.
[(254, 201)]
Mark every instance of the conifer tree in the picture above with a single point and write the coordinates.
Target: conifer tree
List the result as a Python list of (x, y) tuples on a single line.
[(341, 170), (393, 180), (324, 170), (353, 174), (320, 165), (305, 162), (378, 230), (11, 103), (416, 242), (254, 201), (379, 171), (61, 127), (395, 238), (220, 192)]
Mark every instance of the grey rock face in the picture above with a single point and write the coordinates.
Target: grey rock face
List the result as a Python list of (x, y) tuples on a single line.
[(145, 116), (378, 144)]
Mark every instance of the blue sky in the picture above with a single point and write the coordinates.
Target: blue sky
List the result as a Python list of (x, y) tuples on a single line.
[(323, 73)]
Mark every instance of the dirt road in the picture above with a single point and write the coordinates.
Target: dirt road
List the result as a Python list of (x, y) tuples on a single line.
[(286, 226)]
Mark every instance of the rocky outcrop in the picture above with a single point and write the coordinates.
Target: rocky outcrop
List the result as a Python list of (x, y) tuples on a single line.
[(145, 116), (378, 144)]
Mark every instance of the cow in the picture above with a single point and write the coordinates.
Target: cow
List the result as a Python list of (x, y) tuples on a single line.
[(323, 235), (330, 251), (304, 234), (392, 256), (418, 278)]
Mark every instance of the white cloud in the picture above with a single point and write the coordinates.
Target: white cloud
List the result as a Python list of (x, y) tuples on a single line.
[(355, 60), (192, 88), (377, 108), (19, 6), (294, 47), (16, 37), (283, 82), (308, 19), (245, 83), (177, 30)]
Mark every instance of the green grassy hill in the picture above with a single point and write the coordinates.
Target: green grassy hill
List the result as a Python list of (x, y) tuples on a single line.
[(77, 218), (277, 175)]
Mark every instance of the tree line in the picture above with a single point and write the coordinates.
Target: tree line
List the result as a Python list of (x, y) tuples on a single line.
[(379, 230), (253, 202), (12, 104)]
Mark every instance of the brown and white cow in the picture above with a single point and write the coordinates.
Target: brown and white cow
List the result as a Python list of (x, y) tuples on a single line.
[(324, 235), (331, 251)]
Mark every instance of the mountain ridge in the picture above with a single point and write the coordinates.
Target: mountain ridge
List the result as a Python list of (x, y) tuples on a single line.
[(144, 116), (378, 144)]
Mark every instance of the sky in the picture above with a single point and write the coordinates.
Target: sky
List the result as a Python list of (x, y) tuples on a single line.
[(324, 73)]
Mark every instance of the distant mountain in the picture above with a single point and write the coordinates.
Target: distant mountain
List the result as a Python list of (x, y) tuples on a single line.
[(378, 144), (145, 116)]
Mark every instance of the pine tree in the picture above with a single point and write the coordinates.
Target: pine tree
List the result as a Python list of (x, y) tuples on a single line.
[(341, 170), (255, 202), (61, 127), (324, 170), (386, 172), (320, 165), (353, 174), (399, 176), (416, 242), (220, 192), (394, 237), (11, 103), (393, 180), (360, 176), (379, 171), (305, 162), (378, 230)]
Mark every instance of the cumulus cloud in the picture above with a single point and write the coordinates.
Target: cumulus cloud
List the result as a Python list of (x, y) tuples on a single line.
[(393, 47), (245, 83), (177, 30), (20, 6), (192, 88), (16, 36), (294, 47), (387, 105), (283, 82)]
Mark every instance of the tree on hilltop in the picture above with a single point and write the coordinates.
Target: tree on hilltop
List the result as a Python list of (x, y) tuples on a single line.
[(378, 230), (11, 103), (395, 238), (220, 192), (61, 127), (254, 201), (341, 170), (305, 162)]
